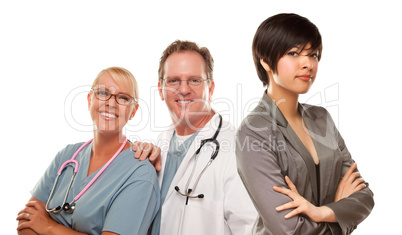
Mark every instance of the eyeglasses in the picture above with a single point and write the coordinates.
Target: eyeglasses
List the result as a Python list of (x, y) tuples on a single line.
[(192, 82), (121, 98)]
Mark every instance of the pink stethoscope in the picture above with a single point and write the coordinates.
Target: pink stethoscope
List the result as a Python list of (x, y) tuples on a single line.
[(69, 207)]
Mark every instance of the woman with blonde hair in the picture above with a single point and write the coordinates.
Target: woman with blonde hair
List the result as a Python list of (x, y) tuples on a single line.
[(97, 187)]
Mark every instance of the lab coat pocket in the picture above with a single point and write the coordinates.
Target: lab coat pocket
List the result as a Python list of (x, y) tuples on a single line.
[(202, 211), (172, 224)]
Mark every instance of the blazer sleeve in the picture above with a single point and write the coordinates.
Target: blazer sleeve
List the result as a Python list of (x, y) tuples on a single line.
[(259, 168), (354, 209)]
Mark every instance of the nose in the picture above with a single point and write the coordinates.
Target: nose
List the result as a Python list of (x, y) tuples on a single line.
[(307, 62), (112, 100), (184, 88)]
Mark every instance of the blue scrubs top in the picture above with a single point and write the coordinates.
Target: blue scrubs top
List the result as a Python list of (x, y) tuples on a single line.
[(123, 200)]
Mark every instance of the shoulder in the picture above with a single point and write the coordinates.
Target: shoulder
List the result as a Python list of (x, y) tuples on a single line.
[(72, 147), (227, 131), (319, 115), (134, 168), (257, 124), (68, 151), (164, 137), (314, 110)]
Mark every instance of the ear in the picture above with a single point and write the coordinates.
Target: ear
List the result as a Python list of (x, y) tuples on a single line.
[(133, 112), (160, 91), (89, 100), (265, 65), (211, 90)]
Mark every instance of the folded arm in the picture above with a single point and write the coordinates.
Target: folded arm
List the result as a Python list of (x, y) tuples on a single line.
[(34, 219), (259, 168)]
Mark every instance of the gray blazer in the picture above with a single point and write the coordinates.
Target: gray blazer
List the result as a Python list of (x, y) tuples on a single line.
[(267, 149)]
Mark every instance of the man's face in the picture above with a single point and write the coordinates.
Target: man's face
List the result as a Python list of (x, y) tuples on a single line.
[(189, 101)]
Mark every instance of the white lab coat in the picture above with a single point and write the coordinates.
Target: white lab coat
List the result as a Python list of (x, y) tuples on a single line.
[(226, 207)]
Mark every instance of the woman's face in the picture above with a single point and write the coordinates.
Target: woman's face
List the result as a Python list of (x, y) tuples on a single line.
[(110, 116), (296, 70)]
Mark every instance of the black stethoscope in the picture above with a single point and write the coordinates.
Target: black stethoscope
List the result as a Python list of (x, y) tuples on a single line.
[(213, 140)]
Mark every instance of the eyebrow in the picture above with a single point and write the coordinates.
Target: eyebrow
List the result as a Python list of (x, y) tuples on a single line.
[(300, 49), (190, 77)]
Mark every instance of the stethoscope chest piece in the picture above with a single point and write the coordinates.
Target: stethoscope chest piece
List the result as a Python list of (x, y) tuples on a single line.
[(188, 193), (69, 208)]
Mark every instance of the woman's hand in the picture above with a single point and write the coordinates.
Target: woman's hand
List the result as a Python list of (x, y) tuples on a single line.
[(145, 150), (302, 206), (35, 217), (350, 183)]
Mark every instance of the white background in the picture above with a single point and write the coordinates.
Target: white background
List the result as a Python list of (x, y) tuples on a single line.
[(51, 51)]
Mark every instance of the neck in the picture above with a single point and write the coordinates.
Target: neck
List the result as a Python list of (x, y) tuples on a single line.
[(104, 146), (188, 127), (286, 101)]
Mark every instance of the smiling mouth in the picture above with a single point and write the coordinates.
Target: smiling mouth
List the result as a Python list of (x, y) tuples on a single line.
[(184, 101), (108, 115)]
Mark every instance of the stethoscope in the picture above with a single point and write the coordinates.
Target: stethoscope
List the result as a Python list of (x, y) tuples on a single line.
[(189, 191), (69, 207)]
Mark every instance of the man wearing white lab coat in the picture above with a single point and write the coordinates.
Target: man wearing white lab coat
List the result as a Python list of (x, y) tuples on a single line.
[(218, 202)]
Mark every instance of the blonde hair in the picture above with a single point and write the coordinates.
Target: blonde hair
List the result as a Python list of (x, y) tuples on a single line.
[(120, 74)]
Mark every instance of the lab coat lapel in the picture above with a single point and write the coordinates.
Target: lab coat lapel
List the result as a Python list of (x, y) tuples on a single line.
[(204, 133)]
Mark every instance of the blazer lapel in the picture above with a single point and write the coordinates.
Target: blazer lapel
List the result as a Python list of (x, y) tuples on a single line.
[(278, 118), (322, 130), (291, 136)]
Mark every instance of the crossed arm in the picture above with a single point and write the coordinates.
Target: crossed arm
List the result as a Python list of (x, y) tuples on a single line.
[(284, 210), (34, 219), (350, 183)]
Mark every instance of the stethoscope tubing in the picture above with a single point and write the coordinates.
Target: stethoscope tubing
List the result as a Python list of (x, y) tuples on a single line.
[(66, 164), (188, 192), (101, 171)]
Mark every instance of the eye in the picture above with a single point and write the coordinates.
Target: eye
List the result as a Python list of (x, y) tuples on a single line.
[(172, 81), (102, 92), (314, 55), (293, 53), (195, 80), (124, 99)]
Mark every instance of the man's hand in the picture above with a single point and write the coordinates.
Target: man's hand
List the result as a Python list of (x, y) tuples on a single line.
[(145, 150)]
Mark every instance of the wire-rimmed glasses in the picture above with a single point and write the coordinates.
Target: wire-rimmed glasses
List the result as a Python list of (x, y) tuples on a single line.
[(192, 82)]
